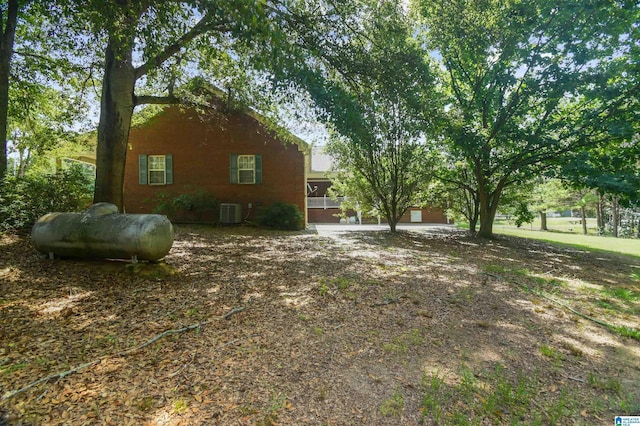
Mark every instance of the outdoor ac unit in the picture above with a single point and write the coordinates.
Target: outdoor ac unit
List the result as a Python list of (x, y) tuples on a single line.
[(230, 213)]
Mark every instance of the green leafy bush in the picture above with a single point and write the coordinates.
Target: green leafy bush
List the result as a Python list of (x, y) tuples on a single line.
[(281, 216), (175, 207), (24, 199)]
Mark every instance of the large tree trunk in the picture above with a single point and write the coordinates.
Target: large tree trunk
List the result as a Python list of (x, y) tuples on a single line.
[(488, 208), (583, 213), (486, 223), (543, 221), (8, 32), (487, 202), (116, 108), (392, 217)]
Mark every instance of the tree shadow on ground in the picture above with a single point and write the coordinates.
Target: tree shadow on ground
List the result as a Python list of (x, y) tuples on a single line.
[(346, 330), (492, 320)]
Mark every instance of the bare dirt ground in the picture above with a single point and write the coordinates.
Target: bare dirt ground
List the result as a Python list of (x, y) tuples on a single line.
[(369, 328)]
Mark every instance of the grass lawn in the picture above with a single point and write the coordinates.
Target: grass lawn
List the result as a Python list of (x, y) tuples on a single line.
[(570, 225), (563, 232)]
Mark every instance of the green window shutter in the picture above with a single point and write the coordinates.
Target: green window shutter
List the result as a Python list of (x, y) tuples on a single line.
[(168, 167), (233, 168), (142, 170), (258, 159)]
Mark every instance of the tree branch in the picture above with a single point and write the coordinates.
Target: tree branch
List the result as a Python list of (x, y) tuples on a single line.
[(200, 28), (63, 374)]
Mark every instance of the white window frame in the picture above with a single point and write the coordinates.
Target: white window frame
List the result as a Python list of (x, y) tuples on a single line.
[(245, 168), (157, 169)]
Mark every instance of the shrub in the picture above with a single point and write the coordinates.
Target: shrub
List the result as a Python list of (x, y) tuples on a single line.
[(24, 199), (281, 216), (196, 201)]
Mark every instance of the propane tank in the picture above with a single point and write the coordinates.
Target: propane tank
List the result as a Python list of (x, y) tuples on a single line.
[(102, 232)]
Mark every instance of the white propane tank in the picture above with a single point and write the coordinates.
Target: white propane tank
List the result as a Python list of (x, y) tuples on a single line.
[(102, 232)]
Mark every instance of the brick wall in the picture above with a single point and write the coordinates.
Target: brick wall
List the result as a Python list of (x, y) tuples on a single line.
[(428, 215), (201, 147), (324, 215)]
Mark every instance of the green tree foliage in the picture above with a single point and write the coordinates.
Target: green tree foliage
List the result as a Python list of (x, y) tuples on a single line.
[(354, 195), (368, 96), (515, 203), (522, 78), (613, 170), (24, 199), (40, 129), (40, 66), (385, 172)]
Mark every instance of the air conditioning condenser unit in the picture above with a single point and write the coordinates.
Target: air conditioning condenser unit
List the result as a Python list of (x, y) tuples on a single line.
[(230, 213)]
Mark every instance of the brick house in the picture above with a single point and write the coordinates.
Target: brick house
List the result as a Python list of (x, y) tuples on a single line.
[(231, 155)]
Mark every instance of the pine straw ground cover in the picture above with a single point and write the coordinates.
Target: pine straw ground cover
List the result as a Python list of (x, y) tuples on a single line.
[(369, 328)]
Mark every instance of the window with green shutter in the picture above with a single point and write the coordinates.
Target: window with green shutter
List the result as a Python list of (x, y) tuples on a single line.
[(245, 169), (258, 163), (155, 169), (142, 170)]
